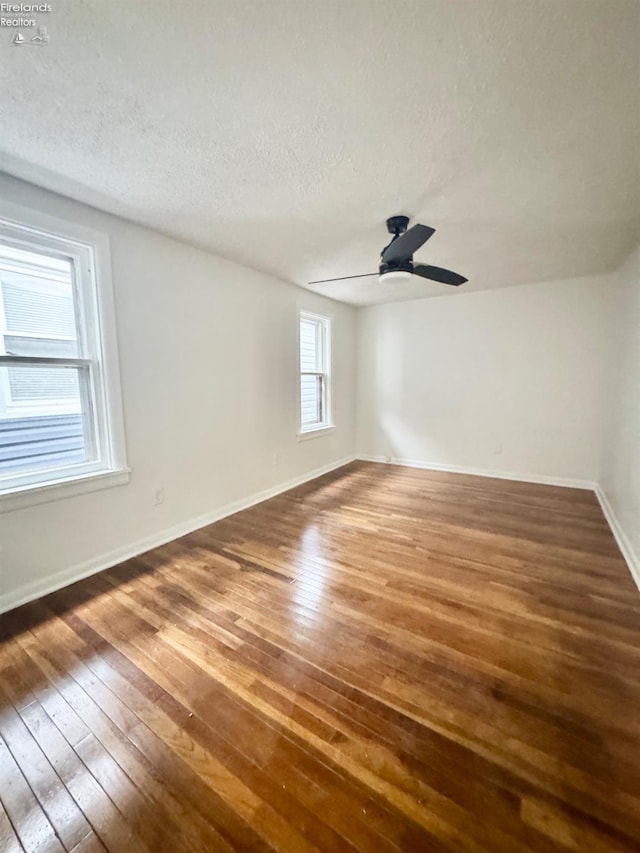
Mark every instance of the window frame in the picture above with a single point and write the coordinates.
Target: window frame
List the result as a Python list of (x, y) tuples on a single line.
[(97, 362), (326, 425)]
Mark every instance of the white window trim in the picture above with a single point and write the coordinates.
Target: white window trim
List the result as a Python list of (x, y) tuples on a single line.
[(112, 470), (316, 432), (328, 426), (63, 488)]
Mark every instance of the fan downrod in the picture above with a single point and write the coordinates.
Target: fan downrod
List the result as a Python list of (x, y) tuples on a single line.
[(397, 225)]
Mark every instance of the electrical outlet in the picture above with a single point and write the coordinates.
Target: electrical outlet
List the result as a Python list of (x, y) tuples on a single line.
[(276, 458), (158, 497)]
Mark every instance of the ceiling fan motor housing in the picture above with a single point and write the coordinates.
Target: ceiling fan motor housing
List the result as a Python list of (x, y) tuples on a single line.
[(397, 266)]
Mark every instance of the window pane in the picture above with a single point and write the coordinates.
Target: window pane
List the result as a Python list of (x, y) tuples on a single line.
[(42, 424), (310, 338), (30, 385), (37, 301), (310, 400)]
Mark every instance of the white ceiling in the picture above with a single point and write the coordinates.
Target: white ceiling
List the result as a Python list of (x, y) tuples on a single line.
[(282, 134)]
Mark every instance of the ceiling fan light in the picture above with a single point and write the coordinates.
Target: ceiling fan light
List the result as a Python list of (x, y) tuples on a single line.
[(395, 277)]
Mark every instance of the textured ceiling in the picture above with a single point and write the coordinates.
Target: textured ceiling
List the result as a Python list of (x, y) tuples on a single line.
[(282, 134)]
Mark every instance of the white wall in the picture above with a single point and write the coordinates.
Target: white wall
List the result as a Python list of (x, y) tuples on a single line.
[(208, 353), (507, 381), (620, 472)]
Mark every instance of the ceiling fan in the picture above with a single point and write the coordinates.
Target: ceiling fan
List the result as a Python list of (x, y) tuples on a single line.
[(396, 260)]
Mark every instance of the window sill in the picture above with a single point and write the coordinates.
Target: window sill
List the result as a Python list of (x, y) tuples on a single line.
[(316, 433), (26, 496)]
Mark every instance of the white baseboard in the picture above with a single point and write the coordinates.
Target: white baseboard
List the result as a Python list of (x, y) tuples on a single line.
[(43, 586), (632, 559), (482, 472)]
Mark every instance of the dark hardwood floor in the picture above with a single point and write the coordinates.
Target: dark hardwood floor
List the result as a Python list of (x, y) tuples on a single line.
[(382, 659)]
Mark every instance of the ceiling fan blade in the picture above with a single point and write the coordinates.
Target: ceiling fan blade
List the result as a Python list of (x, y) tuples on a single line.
[(403, 247), (343, 278), (438, 274)]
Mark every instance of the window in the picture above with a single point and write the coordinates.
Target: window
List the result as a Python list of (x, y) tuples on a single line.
[(58, 419), (315, 360)]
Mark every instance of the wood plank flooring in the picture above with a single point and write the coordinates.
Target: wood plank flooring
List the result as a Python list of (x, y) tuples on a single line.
[(383, 659)]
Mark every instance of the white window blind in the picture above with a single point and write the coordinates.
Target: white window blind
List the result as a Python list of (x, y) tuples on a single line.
[(47, 383), (314, 372), (38, 306)]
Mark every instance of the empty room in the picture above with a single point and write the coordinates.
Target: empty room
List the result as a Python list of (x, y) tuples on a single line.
[(320, 426)]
